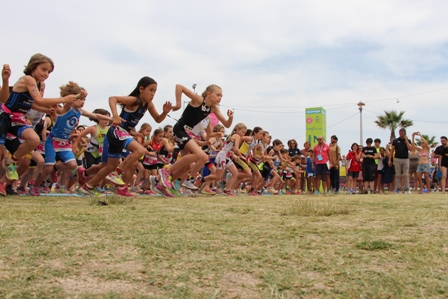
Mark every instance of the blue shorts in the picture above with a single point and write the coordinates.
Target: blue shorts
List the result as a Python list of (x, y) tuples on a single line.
[(424, 168), (50, 154), (114, 147)]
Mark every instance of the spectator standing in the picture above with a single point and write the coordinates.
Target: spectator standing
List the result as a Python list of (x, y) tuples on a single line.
[(321, 165), (400, 154), (335, 158), (442, 153)]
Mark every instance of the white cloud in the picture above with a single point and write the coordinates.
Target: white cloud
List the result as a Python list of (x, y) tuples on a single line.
[(286, 55)]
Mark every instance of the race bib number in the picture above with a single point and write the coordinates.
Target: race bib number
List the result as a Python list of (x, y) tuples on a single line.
[(18, 119), (122, 134), (60, 145)]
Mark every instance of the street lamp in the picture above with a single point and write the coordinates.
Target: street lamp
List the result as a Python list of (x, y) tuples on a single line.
[(360, 104)]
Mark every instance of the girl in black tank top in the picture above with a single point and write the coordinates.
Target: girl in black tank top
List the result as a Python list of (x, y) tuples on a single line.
[(137, 103), (199, 107)]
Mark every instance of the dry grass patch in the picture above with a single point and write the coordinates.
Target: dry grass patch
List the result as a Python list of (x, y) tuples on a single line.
[(219, 247)]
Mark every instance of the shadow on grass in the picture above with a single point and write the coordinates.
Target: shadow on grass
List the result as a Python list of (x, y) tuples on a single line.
[(110, 200)]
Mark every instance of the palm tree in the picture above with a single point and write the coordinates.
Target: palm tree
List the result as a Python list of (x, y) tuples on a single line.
[(392, 120), (431, 141)]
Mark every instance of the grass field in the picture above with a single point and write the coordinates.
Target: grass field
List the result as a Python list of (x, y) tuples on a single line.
[(339, 246)]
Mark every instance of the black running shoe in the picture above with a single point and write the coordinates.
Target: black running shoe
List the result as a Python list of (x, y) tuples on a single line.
[(10, 190)]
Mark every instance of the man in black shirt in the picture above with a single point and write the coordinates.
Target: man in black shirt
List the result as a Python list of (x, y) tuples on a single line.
[(442, 153), (400, 153)]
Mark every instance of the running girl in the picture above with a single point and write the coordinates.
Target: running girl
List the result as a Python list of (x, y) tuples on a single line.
[(120, 136), (197, 109), (26, 94), (58, 141)]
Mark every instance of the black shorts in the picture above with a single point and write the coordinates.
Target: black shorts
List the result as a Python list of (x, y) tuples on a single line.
[(180, 136), (5, 124), (368, 172), (152, 166), (91, 160)]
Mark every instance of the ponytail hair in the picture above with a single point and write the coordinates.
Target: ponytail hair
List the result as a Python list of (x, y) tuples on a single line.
[(143, 82), (210, 88)]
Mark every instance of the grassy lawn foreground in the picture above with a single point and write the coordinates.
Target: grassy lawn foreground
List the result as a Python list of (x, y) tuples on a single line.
[(339, 246)]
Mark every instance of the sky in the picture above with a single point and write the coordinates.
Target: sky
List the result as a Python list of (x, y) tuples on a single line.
[(272, 59)]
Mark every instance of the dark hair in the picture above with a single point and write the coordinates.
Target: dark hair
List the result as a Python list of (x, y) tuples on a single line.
[(277, 142), (34, 62), (369, 140), (443, 137), (99, 111), (157, 131), (402, 130), (377, 140), (256, 130), (166, 128), (248, 132), (143, 82), (291, 141), (353, 144), (334, 137)]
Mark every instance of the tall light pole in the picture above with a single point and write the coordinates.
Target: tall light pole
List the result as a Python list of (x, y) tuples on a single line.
[(360, 104)]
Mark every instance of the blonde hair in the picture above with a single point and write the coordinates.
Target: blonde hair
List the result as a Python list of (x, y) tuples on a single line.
[(210, 88), (218, 128), (144, 126), (70, 88), (238, 126), (35, 60)]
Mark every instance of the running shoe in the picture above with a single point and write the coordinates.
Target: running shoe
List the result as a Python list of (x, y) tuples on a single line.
[(175, 192), (177, 186), (124, 191), (253, 193), (61, 189), (2, 189), (148, 192), (115, 178), (87, 191), (188, 184), (44, 189), (207, 191), (21, 190), (163, 190), (217, 190), (165, 178), (229, 193), (34, 191), (272, 191), (11, 171), (10, 190), (153, 184)]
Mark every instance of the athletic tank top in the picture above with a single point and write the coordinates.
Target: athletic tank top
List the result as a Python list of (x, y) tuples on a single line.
[(193, 115), (133, 117), (20, 101), (65, 124), (95, 144)]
